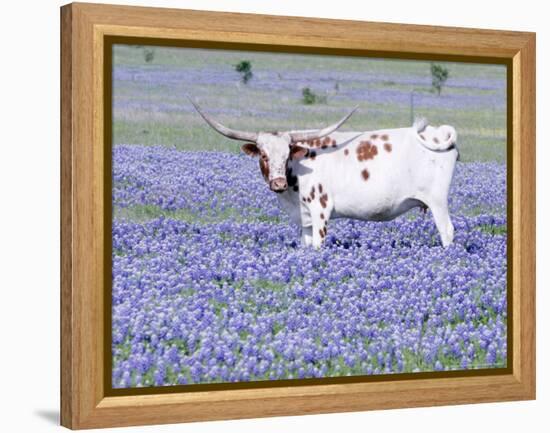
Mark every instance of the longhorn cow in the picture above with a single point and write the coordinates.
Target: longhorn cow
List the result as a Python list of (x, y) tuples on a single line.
[(370, 175)]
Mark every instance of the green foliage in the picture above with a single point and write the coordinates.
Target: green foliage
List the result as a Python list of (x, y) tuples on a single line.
[(244, 67), (309, 97), (440, 74), (149, 55), (493, 230)]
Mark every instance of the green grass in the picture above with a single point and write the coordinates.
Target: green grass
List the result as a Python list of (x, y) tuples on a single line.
[(187, 131), (493, 230), (146, 212), (133, 55), (158, 113), (140, 213)]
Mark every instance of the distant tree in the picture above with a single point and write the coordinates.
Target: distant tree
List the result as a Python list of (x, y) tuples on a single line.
[(308, 97), (244, 67), (439, 76), (149, 55)]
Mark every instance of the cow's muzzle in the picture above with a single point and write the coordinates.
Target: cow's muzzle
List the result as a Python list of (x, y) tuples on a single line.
[(278, 185)]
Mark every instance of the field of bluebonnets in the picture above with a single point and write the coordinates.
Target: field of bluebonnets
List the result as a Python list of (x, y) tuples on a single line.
[(210, 283)]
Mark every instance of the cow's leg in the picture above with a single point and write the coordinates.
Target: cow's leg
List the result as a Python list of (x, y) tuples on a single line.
[(314, 234), (443, 223), (320, 214), (307, 238), (316, 211), (319, 228)]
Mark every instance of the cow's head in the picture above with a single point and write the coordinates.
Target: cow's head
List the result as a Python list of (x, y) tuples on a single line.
[(274, 148)]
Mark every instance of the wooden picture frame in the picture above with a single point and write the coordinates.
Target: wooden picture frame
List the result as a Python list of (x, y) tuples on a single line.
[(84, 31)]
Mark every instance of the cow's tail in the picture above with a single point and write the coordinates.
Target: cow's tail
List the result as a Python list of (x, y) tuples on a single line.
[(440, 139)]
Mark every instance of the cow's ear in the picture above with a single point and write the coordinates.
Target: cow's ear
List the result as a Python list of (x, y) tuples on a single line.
[(297, 152), (250, 149)]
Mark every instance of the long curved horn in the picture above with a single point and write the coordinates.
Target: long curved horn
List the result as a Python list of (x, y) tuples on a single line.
[(319, 133), (229, 133)]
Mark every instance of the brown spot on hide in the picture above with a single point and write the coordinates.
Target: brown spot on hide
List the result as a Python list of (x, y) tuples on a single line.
[(422, 137), (297, 152), (323, 199), (387, 147), (436, 140), (366, 150), (384, 137), (308, 200), (321, 233), (264, 168), (334, 144), (325, 230), (346, 152), (320, 189), (365, 174), (322, 216), (374, 136), (312, 193)]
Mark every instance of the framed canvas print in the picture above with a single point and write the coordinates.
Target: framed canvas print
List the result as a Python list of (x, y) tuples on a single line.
[(268, 216)]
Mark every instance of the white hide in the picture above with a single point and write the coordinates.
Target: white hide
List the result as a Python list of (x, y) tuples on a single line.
[(416, 172), (277, 147)]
